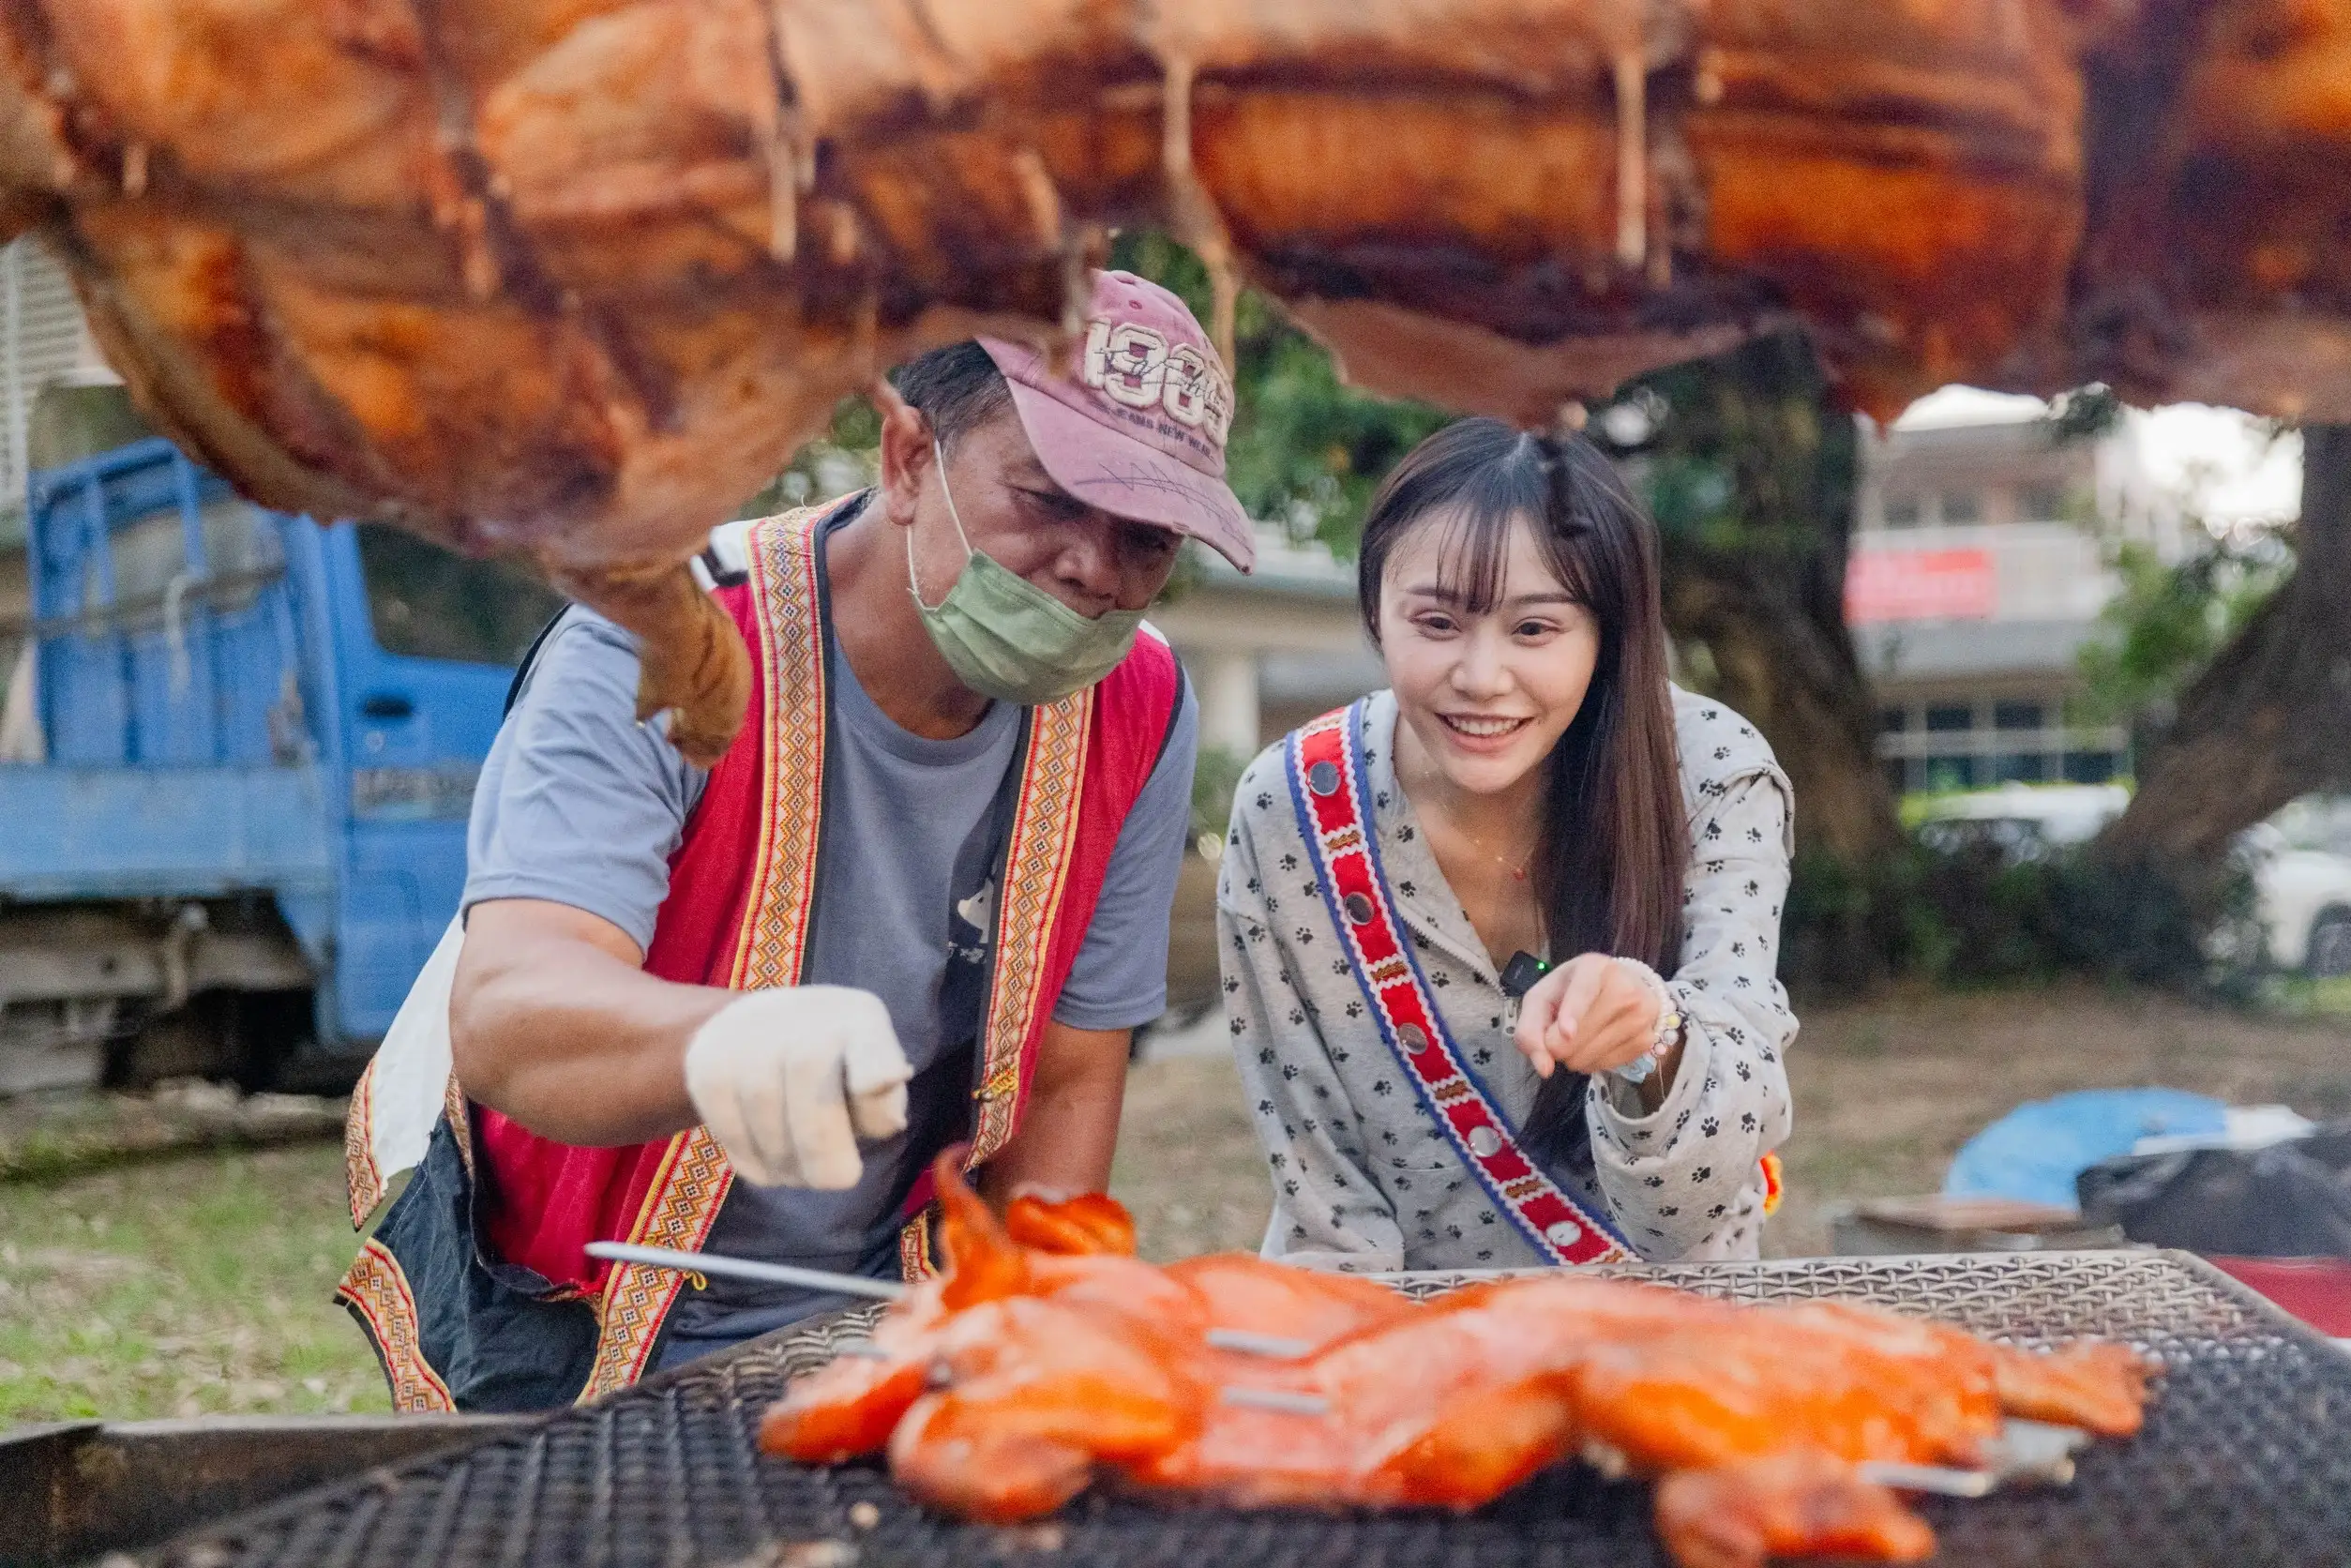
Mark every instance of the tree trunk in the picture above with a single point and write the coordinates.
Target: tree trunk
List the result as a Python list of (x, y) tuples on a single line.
[(1754, 585), (1791, 669), (2272, 718)]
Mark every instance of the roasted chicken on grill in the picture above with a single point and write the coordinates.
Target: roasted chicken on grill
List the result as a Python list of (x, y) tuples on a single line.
[(569, 278), (1046, 1359)]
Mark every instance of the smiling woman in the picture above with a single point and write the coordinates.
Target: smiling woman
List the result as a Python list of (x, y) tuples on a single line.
[(1446, 910)]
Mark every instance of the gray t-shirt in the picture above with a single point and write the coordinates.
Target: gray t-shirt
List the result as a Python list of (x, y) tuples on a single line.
[(580, 805)]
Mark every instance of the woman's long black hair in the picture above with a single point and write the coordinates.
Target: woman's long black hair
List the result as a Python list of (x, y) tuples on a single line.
[(1615, 847)]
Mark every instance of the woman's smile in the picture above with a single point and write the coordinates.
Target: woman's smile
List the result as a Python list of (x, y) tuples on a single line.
[(1483, 732)]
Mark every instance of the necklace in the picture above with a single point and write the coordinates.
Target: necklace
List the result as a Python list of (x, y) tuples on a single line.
[(1516, 868), (1517, 872)]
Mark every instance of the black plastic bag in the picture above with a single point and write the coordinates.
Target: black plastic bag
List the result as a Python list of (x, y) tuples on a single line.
[(2290, 1200)]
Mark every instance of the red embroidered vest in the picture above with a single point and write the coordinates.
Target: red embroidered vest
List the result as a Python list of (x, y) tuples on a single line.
[(737, 915)]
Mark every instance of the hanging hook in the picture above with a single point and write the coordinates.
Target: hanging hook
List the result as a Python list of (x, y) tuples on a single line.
[(1632, 81)]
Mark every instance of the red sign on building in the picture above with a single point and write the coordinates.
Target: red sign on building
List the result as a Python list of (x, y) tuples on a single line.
[(1918, 585)]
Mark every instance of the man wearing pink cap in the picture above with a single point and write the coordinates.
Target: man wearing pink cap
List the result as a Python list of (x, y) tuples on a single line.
[(922, 902)]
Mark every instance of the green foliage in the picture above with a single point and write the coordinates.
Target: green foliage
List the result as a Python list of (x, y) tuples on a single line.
[(2167, 622), (1740, 456), (1305, 450), (1971, 917), (1842, 928), (1215, 775), (842, 459), (2084, 413)]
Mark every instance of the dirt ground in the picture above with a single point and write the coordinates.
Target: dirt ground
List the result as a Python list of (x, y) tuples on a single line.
[(203, 1282), (1885, 1091)]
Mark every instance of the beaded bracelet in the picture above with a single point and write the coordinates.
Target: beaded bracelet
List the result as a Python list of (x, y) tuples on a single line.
[(1668, 1024)]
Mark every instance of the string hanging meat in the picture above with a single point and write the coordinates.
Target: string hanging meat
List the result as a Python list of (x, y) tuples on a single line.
[(1047, 1359), (569, 278)]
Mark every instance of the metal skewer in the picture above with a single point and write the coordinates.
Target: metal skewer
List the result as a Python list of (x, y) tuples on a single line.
[(2025, 1451), (1935, 1479), (723, 1267), (1273, 1345), (1283, 1399)]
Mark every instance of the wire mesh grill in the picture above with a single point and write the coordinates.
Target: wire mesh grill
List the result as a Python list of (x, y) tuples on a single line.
[(2245, 1461)]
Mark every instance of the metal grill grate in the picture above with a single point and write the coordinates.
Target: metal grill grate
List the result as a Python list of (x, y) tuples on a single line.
[(2246, 1460)]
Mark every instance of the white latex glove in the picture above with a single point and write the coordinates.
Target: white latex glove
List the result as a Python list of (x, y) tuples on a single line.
[(788, 1081)]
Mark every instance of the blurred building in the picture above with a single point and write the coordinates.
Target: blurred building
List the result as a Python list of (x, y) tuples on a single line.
[(1266, 652), (1980, 561), (47, 364), (1269, 651)]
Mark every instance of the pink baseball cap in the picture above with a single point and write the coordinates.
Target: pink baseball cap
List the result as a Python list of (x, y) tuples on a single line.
[(1137, 425)]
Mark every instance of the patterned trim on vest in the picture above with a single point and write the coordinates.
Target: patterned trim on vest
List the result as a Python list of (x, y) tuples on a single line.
[(691, 1181), (783, 567), (363, 1178), (678, 1212), (1036, 867), (363, 1183), (376, 1288), (455, 1105), (1328, 786), (914, 1257)]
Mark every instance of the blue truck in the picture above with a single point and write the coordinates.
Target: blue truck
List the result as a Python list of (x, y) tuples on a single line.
[(245, 748)]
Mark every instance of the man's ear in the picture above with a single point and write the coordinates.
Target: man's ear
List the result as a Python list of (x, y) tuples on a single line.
[(906, 452)]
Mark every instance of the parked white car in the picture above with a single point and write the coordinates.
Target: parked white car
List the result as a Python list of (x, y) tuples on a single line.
[(2302, 872)]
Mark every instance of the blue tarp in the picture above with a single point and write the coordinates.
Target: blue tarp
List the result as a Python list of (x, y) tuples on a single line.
[(2035, 1150)]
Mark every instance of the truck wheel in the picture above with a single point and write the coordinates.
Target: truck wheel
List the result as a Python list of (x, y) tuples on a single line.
[(246, 1037), (2331, 944)]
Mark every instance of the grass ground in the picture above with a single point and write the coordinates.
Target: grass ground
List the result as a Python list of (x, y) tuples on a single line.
[(185, 1286), (203, 1283)]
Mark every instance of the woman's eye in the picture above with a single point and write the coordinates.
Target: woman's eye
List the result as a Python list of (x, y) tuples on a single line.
[(1434, 624), (1533, 628)]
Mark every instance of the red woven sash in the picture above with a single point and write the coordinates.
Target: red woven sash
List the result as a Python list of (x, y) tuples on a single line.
[(1327, 786)]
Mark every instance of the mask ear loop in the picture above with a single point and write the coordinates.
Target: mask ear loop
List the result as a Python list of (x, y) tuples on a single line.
[(939, 460)]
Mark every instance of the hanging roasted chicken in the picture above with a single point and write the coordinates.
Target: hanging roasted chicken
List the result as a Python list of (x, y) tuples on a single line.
[(569, 278), (1046, 1359)]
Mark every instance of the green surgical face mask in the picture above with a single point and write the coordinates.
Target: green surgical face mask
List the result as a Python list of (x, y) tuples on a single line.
[(1008, 638)]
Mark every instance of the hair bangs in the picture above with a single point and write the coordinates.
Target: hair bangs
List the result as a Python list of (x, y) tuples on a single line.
[(1472, 553), (1477, 515), (1574, 562)]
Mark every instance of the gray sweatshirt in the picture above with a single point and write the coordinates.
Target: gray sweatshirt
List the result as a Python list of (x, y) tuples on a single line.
[(1363, 1179)]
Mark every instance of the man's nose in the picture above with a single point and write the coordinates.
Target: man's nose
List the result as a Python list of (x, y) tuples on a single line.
[(1087, 571)]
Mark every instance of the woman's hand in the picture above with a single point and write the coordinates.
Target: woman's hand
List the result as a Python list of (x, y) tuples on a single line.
[(1590, 1014)]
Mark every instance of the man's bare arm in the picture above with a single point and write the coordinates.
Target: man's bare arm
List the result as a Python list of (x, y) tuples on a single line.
[(554, 1023), (1070, 1127)]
